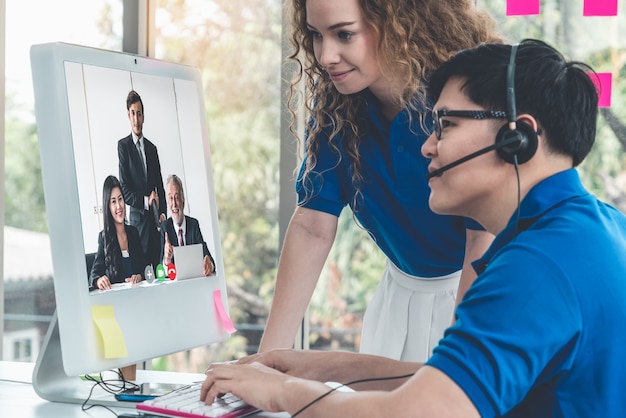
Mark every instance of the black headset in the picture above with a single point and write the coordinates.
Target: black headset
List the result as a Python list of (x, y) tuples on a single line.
[(520, 137)]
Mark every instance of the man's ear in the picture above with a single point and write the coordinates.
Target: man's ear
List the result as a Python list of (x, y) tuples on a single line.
[(530, 120)]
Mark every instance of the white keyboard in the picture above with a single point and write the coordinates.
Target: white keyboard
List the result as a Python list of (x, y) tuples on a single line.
[(186, 403)]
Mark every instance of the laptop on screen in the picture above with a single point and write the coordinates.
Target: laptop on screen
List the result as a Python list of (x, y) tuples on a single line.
[(188, 261)]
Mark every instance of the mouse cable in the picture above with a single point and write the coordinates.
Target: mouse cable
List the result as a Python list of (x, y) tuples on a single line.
[(111, 386), (354, 382)]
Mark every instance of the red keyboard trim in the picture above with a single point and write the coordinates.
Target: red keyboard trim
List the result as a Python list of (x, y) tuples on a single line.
[(234, 414)]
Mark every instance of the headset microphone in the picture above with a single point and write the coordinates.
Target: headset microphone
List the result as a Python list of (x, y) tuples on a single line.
[(504, 143)]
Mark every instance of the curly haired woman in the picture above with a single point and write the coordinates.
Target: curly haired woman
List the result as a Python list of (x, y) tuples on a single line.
[(365, 65)]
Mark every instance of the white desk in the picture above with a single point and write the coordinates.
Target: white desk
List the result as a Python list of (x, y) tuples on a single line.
[(19, 400)]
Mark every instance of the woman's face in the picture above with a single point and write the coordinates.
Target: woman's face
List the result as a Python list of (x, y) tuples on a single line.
[(344, 44), (116, 205)]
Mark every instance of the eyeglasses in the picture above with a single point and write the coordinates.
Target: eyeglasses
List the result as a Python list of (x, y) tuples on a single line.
[(473, 114)]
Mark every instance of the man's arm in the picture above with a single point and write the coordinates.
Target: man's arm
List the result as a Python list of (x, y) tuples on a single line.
[(156, 182), (132, 196), (429, 393), (98, 268), (309, 237), (337, 366)]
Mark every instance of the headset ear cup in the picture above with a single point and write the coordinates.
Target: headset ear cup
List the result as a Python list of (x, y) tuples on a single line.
[(524, 147)]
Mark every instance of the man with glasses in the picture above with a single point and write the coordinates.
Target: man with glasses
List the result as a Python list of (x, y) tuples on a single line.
[(540, 331)]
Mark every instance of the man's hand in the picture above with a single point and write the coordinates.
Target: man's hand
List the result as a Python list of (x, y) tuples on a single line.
[(153, 197), (135, 278), (168, 250), (256, 384), (208, 267)]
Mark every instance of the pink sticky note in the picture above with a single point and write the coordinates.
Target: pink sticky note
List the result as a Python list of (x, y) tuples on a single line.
[(522, 7), (221, 312), (600, 8), (604, 84)]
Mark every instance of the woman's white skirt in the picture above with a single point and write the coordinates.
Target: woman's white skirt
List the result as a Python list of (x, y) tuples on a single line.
[(408, 315)]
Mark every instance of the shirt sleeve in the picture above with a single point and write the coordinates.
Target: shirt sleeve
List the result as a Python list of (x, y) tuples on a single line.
[(321, 189)]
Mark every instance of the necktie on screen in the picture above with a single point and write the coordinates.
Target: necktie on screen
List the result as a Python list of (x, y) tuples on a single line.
[(180, 237), (141, 156)]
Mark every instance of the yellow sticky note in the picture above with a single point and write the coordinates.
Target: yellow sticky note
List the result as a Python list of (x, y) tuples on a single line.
[(109, 334)]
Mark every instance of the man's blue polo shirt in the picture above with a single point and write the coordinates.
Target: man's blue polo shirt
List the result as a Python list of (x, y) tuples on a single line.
[(541, 332), (393, 206)]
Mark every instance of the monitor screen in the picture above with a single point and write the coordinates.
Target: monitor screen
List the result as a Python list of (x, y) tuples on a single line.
[(82, 120)]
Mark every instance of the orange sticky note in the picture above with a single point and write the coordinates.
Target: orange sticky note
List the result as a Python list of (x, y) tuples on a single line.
[(109, 334), (221, 312)]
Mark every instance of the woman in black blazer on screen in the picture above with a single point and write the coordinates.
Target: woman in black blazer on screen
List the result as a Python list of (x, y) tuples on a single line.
[(120, 257)]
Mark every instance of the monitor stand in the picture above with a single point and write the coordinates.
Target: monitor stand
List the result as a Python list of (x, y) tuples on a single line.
[(51, 383)]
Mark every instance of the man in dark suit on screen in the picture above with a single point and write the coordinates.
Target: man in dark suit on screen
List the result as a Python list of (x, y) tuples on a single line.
[(180, 229), (141, 180)]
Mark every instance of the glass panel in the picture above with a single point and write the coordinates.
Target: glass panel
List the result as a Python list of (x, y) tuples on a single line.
[(595, 40), (237, 47), (28, 290), (347, 283)]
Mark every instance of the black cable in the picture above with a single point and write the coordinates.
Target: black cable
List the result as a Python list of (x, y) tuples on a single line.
[(112, 386), (85, 407), (372, 379), (519, 194)]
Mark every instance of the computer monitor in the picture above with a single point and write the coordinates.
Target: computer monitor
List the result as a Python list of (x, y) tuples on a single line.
[(80, 105)]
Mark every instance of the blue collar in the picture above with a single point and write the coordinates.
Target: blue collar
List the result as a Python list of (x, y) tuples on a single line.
[(544, 196), (377, 119)]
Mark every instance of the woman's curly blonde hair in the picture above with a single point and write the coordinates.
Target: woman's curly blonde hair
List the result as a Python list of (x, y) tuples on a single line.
[(414, 38)]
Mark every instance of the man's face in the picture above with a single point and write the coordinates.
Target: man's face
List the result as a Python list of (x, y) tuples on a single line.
[(176, 203), (135, 116), (469, 188)]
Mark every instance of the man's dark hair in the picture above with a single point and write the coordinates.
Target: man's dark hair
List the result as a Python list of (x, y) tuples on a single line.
[(133, 97), (558, 93)]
